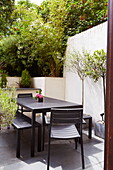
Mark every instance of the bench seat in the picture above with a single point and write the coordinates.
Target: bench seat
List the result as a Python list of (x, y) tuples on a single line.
[(23, 122)]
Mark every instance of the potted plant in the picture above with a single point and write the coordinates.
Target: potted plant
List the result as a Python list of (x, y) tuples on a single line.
[(8, 106), (95, 68), (25, 79), (3, 80), (75, 63), (39, 96)]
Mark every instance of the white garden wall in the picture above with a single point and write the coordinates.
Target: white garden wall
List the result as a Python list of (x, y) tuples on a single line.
[(39, 82), (13, 81), (51, 86), (90, 40)]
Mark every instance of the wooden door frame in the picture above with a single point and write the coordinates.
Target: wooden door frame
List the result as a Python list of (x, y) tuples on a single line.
[(108, 154)]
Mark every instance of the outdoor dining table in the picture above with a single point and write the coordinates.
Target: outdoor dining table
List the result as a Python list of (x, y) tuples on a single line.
[(41, 107)]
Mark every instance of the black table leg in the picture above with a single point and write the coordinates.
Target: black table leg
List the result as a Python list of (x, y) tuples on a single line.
[(33, 135), (18, 144), (90, 127), (89, 118), (43, 129), (39, 138)]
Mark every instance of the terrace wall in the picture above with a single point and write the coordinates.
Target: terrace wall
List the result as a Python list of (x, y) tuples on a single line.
[(51, 86), (90, 40)]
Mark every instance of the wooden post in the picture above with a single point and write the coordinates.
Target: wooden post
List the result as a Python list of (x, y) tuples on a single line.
[(108, 162)]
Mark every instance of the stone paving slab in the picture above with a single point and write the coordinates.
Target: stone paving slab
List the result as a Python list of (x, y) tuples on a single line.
[(63, 155)]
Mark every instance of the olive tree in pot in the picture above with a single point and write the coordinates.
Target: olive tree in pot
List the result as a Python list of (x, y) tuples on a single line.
[(95, 68), (8, 106), (75, 63)]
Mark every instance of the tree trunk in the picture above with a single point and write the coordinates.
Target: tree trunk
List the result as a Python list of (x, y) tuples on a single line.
[(83, 92)]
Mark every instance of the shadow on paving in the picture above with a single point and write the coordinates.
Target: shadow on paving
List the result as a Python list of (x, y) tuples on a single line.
[(63, 154)]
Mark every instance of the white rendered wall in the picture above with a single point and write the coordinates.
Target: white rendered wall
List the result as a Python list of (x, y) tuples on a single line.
[(55, 87), (39, 82), (13, 81), (90, 40), (51, 86), (73, 88)]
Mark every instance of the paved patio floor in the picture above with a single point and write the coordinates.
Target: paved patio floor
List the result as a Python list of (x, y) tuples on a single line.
[(63, 155)]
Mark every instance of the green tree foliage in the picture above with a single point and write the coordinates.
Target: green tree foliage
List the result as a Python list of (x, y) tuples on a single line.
[(80, 14), (6, 9), (95, 67), (54, 34), (43, 10), (75, 63), (38, 34), (55, 13), (15, 50), (86, 64), (84, 14), (33, 41), (8, 55)]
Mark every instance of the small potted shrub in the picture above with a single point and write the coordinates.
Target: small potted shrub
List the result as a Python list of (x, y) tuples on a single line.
[(95, 68), (39, 96), (25, 79), (3, 80)]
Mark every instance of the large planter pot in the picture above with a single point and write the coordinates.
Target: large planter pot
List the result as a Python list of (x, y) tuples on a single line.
[(99, 129)]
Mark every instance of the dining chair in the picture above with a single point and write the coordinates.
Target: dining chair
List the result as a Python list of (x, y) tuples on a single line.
[(65, 124), (24, 95)]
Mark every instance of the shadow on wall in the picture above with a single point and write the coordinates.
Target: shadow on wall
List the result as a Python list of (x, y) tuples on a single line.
[(93, 102)]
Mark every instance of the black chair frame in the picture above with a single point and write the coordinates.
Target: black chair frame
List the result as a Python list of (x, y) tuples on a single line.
[(24, 95), (66, 116)]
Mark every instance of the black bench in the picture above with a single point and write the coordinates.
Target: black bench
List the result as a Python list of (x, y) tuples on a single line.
[(23, 122)]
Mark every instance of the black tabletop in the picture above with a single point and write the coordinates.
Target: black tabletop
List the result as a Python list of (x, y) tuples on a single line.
[(47, 103)]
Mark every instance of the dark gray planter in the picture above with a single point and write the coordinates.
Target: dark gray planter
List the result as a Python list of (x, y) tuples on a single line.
[(100, 129)]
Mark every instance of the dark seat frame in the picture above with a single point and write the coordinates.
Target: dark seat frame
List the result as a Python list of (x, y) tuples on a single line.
[(66, 116), (23, 122), (85, 117), (24, 95)]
